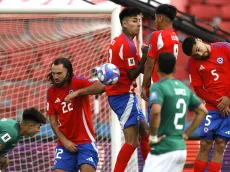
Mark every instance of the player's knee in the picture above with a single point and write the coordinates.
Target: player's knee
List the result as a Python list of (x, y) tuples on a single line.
[(206, 145), (220, 145)]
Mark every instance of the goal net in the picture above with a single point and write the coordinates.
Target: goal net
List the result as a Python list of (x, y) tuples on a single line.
[(28, 45)]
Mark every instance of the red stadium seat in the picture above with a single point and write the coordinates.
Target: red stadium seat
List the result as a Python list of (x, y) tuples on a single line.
[(15, 73), (204, 11), (225, 25), (225, 15), (213, 2)]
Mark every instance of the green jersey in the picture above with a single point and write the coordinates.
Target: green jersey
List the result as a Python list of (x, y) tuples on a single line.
[(175, 98), (9, 134)]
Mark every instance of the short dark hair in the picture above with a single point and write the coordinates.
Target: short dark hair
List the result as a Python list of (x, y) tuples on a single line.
[(32, 114), (67, 64), (167, 10), (129, 12), (166, 62), (187, 45)]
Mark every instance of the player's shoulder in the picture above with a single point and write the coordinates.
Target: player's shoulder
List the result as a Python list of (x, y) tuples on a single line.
[(221, 45), (155, 33), (79, 79)]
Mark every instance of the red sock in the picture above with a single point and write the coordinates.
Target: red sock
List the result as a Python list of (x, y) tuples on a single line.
[(214, 166), (199, 166), (144, 145), (123, 157)]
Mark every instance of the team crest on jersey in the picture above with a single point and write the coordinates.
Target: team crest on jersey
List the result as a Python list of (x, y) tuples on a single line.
[(70, 91), (131, 61), (153, 95), (220, 60)]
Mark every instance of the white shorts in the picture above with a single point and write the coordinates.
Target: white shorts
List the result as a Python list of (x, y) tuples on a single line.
[(168, 162)]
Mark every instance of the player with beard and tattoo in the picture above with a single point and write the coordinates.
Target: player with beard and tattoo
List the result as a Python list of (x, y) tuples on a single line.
[(71, 121), (209, 74)]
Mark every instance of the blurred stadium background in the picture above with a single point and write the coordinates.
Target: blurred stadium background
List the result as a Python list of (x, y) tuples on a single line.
[(29, 43)]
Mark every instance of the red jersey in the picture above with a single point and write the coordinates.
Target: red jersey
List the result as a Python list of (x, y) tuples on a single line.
[(75, 118), (123, 54), (213, 73), (162, 41)]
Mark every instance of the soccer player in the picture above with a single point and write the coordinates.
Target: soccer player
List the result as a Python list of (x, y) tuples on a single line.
[(11, 131), (162, 40), (169, 100), (121, 96), (72, 121), (209, 75)]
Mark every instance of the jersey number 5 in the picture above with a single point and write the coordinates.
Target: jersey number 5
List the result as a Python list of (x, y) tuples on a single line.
[(66, 107), (179, 103), (216, 76)]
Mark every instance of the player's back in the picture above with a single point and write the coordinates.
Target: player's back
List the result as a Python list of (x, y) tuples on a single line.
[(123, 54), (9, 134), (162, 41), (175, 99)]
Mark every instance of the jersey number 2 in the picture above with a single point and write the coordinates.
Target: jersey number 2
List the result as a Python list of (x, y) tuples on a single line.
[(66, 107), (179, 103)]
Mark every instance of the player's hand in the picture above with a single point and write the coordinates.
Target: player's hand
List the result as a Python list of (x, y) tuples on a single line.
[(185, 136), (145, 94), (152, 142), (224, 102), (70, 96), (144, 49), (70, 146), (225, 112), (4, 163)]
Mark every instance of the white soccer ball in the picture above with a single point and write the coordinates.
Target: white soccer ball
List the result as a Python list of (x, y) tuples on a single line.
[(108, 74)]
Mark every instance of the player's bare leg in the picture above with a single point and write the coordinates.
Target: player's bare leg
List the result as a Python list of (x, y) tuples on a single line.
[(59, 170), (202, 156), (87, 168), (144, 138), (131, 143), (217, 157)]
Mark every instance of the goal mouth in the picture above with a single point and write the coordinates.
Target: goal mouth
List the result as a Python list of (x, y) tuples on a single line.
[(31, 38)]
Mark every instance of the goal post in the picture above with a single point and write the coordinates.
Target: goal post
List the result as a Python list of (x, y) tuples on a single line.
[(32, 38)]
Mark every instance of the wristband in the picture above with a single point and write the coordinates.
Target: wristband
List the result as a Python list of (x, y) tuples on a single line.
[(153, 139)]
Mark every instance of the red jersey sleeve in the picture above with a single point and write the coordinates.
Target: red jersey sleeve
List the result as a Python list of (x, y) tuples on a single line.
[(194, 75), (153, 45), (49, 106), (83, 82)]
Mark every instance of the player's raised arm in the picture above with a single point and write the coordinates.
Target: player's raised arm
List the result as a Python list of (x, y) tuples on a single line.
[(94, 89), (134, 73)]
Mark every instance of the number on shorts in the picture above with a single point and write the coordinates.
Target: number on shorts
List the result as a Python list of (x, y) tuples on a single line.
[(58, 152), (208, 117)]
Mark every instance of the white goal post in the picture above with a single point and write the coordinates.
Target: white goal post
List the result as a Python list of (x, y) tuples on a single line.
[(116, 135)]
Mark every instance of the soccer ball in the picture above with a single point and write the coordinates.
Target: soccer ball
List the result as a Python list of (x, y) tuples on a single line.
[(108, 74)]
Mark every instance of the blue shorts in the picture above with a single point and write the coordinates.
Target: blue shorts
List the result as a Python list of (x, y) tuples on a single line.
[(68, 161), (215, 126), (127, 109)]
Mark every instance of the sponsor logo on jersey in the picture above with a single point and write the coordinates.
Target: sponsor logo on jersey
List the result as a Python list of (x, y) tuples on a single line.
[(220, 60), (70, 91), (201, 67), (131, 61), (6, 137), (57, 100)]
